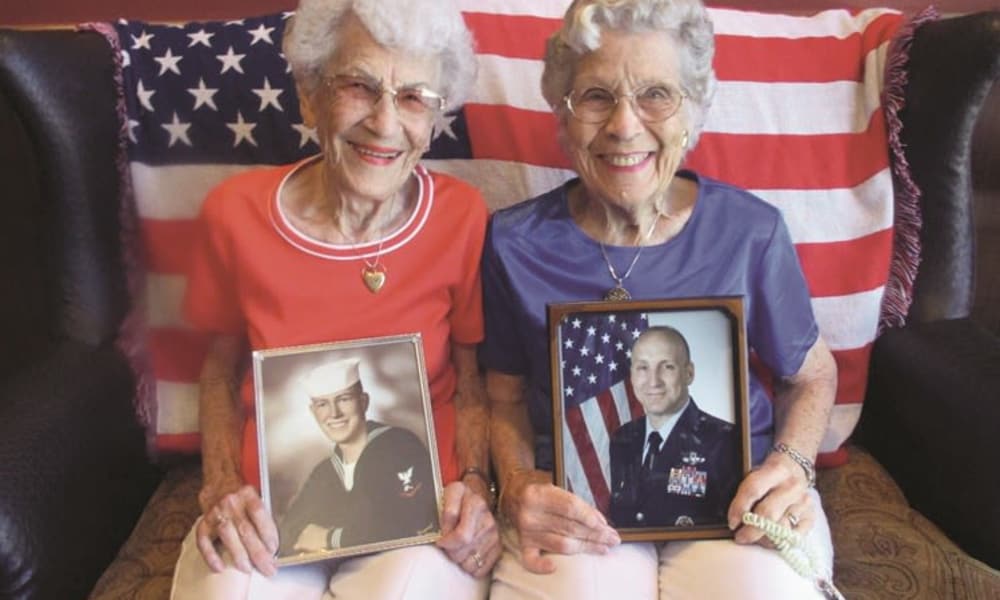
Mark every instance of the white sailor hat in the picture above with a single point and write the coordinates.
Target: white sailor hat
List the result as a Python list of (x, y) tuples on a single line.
[(331, 377)]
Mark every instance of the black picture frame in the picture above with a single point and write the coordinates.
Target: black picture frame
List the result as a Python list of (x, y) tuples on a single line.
[(600, 428), (390, 496)]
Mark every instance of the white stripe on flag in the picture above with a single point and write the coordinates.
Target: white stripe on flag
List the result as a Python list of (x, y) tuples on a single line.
[(164, 299), (597, 428), (843, 418), (838, 214), (575, 476), (509, 81), (177, 191), (620, 395), (755, 108), (850, 321), (502, 183), (739, 107), (177, 408), (830, 23)]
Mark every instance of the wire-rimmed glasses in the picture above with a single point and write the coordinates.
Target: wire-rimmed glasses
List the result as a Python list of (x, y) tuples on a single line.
[(651, 103), (411, 101)]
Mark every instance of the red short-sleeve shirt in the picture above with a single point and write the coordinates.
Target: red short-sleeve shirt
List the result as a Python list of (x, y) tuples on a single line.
[(254, 274)]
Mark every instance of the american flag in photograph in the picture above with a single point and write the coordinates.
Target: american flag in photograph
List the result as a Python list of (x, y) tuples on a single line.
[(595, 351), (806, 132)]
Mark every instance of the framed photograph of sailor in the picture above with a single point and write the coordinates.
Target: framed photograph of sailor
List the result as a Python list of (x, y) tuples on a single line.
[(346, 443), (651, 411)]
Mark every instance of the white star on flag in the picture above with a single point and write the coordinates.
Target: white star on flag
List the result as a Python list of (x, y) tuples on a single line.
[(201, 37), (168, 62), (145, 96), (269, 96), (576, 323), (261, 34), (243, 131), (177, 131), (132, 124), (230, 60), (203, 96), (306, 134), (142, 41)]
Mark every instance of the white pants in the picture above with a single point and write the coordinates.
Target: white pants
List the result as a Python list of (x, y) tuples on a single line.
[(413, 573), (705, 569)]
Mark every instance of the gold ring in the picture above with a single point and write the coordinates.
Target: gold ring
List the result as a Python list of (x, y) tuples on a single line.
[(793, 520), (478, 560), (220, 520)]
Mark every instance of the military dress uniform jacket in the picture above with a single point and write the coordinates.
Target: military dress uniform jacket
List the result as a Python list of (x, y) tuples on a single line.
[(692, 480), (393, 494)]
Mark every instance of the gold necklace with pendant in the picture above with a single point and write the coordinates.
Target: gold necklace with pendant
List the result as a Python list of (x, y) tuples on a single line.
[(374, 273), (619, 293)]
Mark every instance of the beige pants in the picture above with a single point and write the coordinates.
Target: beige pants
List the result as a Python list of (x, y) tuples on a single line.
[(414, 573), (699, 570)]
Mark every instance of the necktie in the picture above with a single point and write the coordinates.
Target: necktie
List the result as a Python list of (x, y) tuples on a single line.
[(654, 442)]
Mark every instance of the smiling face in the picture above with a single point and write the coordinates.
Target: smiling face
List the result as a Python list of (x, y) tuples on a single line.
[(341, 415), (369, 151), (626, 161), (661, 372)]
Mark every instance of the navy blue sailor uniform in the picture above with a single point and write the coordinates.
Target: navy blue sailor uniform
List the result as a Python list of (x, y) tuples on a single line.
[(393, 495), (691, 482)]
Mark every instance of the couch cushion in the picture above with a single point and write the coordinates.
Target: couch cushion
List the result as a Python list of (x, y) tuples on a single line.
[(884, 548), (144, 567)]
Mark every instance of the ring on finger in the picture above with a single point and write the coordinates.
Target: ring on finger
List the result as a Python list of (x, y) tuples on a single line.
[(477, 559), (793, 520), (220, 520)]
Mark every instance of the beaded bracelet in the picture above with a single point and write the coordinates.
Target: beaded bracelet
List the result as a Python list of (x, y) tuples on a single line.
[(806, 464), (490, 485)]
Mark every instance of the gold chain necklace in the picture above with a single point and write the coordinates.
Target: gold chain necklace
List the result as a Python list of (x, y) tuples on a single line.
[(374, 273), (619, 293)]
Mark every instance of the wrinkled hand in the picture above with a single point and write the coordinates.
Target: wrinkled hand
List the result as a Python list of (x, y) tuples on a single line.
[(470, 536), (777, 490), (238, 521), (550, 519)]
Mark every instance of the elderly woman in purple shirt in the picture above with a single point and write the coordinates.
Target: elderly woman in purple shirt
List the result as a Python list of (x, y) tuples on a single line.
[(630, 82)]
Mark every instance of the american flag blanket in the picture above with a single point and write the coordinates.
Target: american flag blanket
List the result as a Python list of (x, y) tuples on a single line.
[(798, 119)]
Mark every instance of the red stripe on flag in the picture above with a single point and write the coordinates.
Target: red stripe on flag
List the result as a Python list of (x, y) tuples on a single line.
[(506, 133), (168, 244), (848, 267), (608, 410), (588, 457), (803, 60), (179, 443), (852, 374), (513, 36), (177, 354), (807, 162)]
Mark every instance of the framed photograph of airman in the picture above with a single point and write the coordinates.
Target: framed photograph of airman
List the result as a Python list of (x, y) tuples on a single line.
[(651, 413), (346, 443)]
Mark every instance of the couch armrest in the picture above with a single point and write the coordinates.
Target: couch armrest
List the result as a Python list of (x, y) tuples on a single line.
[(74, 471), (931, 419)]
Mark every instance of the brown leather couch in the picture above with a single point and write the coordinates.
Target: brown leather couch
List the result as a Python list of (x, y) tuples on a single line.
[(915, 513)]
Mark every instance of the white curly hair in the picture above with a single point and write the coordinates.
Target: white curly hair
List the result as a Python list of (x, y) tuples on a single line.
[(685, 21), (424, 27)]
